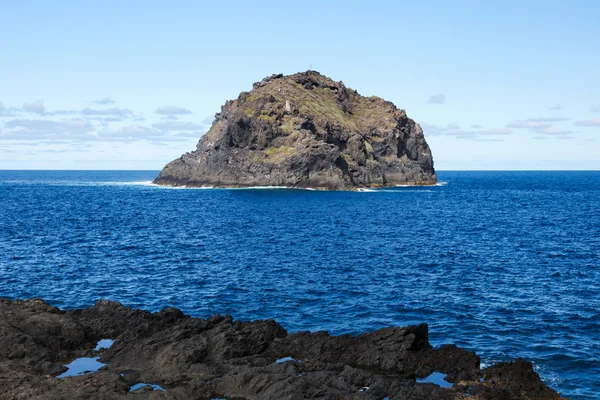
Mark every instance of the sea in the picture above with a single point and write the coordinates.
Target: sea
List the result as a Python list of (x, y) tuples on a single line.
[(506, 264)]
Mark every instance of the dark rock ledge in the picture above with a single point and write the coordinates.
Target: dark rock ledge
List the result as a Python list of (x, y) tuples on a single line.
[(221, 358)]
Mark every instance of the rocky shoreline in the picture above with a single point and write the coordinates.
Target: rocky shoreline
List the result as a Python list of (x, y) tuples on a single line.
[(168, 355)]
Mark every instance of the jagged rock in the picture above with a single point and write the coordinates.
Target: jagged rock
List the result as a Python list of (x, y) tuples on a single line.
[(305, 130), (193, 358)]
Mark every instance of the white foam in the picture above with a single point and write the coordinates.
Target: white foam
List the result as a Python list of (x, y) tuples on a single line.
[(262, 187), (366, 190)]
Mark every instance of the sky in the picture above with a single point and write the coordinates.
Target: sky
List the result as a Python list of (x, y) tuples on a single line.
[(495, 85)]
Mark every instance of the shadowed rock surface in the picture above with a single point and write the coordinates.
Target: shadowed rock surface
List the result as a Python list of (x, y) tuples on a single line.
[(220, 358), (307, 131)]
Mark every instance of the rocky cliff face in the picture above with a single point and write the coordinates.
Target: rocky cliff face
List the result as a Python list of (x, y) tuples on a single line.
[(219, 358), (306, 130)]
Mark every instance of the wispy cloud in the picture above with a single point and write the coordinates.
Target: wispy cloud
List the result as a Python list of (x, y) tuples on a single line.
[(553, 130), (129, 132), (556, 107), (35, 129), (456, 131), (109, 124), (99, 129), (172, 110), (548, 119), (541, 125), (208, 120), (439, 98), (37, 107), (527, 124), (178, 126), (120, 112), (595, 109), (494, 131), (589, 122), (4, 112), (103, 102)]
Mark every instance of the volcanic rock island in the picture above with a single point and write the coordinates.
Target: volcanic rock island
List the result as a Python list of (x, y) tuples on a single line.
[(306, 131), (110, 351)]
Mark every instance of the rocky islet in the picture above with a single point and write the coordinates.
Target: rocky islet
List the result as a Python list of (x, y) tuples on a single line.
[(306, 131)]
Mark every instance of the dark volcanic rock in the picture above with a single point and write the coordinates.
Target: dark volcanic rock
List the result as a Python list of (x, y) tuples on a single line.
[(220, 358), (305, 130)]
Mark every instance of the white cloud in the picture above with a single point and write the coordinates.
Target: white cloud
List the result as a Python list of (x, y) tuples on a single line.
[(589, 122), (208, 120), (129, 132), (120, 112), (552, 130), (496, 131), (439, 98), (528, 124), (540, 125), (36, 129), (104, 101), (556, 107), (548, 119), (37, 107), (454, 130), (178, 126), (4, 112), (595, 109), (171, 131), (172, 110)]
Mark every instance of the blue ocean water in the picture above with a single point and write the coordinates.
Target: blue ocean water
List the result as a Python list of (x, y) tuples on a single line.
[(503, 263)]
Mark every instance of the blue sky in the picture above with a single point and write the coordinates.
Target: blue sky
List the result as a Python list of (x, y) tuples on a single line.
[(133, 85)]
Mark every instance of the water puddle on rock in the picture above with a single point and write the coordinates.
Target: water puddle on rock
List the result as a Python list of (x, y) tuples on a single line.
[(436, 378), (104, 344), (286, 359), (82, 366), (142, 384), (86, 365)]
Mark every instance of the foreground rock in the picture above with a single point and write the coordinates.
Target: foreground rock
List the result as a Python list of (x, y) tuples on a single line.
[(306, 131), (220, 358)]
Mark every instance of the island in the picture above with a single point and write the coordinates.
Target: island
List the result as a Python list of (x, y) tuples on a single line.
[(306, 131)]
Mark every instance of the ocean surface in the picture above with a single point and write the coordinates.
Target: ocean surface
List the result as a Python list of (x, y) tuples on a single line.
[(503, 263)]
